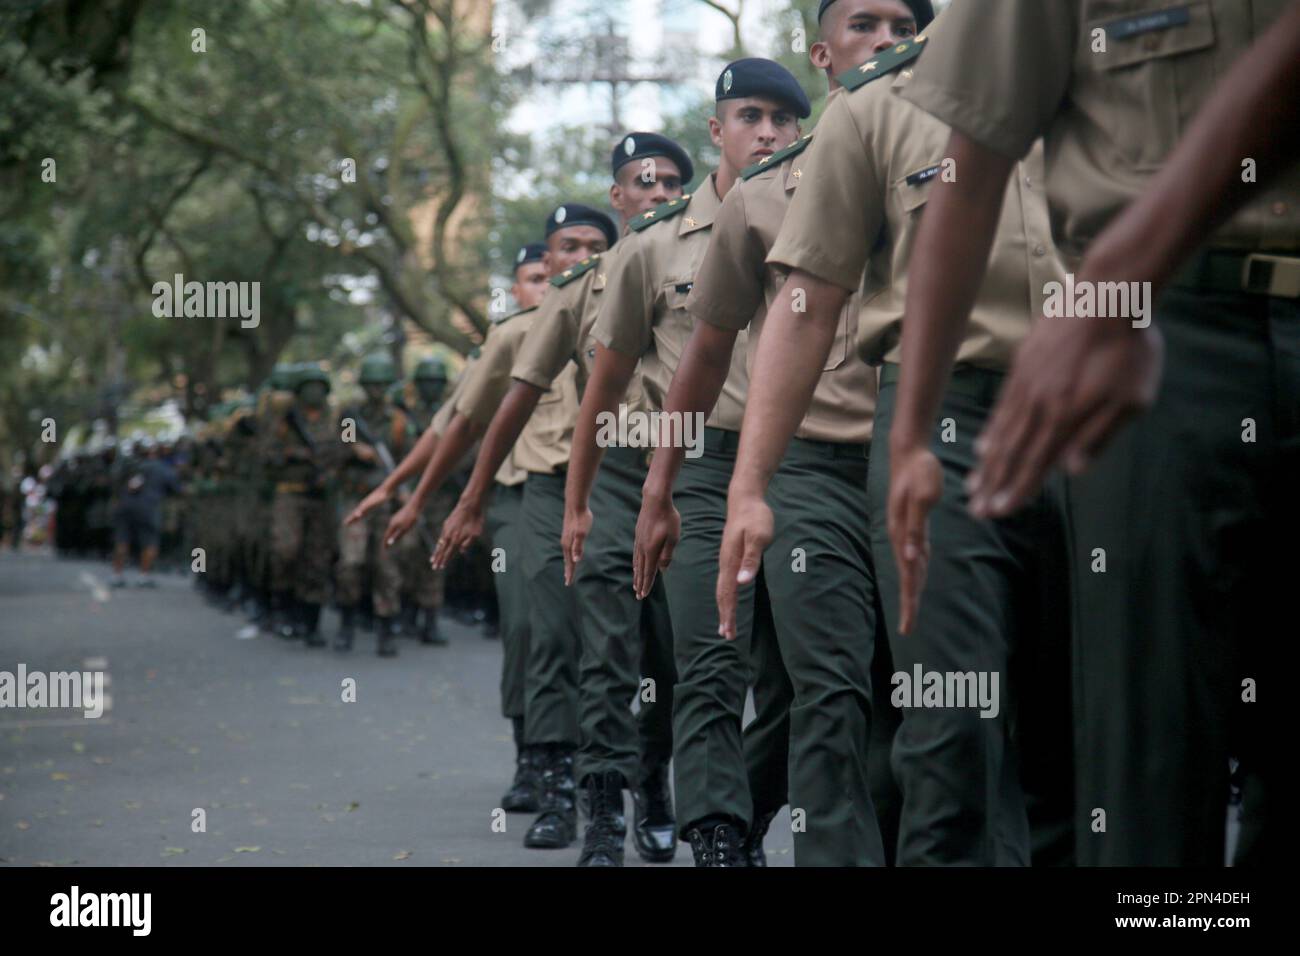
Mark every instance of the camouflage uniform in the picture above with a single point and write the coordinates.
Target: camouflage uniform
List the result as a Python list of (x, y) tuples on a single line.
[(303, 461), (422, 587), (361, 547)]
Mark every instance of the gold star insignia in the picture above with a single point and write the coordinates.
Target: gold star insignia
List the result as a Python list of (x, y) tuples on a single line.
[(649, 215), (798, 174), (868, 67), (764, 160), (674, 202), (691, 223), (567, 273), (901, 48)]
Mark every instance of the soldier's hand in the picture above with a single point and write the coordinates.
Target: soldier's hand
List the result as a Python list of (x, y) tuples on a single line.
[(365, 452), (573, 539), (368, 504), (1073, 384), (658, 529), (746, 536), (461, 529), (915, 486), (402, 521)]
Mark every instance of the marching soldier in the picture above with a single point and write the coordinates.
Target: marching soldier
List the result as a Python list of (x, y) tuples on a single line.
[(619, 637), (643, 319), (423, 587), (306, 452), (1174, 574), (823, 711), (384, 433), (974, 780)]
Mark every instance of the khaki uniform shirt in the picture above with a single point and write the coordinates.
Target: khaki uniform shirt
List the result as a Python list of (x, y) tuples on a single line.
[(1008, 72), (509, 474), (873, 162), (543, 446), (562, 333), (644, 309), (734, 288)]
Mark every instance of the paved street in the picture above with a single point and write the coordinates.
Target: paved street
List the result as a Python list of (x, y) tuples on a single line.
[(253, 732)]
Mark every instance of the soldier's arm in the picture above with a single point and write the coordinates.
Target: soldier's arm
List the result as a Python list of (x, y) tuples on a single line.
[(726, 294), (506, 426), (622, 333)]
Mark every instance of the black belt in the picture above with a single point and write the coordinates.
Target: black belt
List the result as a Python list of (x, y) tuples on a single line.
[(1257, 273), (721, 441)]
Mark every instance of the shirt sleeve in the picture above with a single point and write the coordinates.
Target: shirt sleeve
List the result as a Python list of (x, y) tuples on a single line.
[(489, 380), (998, 72), (840, 176), (550, 343), (627, 304), (728, 285)]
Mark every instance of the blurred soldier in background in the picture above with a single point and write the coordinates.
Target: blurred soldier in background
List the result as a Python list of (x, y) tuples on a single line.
[(383, 434), (306, 451)]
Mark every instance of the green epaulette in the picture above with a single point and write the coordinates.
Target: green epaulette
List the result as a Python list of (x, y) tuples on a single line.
[(661, 212), (882, 64), (777, 158), (571, 273)]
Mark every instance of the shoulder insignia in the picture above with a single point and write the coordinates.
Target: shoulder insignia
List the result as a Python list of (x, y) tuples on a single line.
[(882, 64), (777, 158), (661, 212), (571, 273)]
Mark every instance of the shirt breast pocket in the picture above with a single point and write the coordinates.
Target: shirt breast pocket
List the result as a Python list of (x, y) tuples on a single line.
[(1152, 64)]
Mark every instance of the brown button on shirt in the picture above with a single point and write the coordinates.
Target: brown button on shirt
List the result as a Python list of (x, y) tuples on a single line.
[(509, 473), (644, 309), (1111, 85), (874, 161), (562, 333), (734, 288), (544, 444)]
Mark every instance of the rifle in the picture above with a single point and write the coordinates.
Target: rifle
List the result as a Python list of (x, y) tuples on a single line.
[(300, 429)]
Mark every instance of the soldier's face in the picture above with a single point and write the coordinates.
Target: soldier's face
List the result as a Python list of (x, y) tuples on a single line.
[(531, 283), (312, 394), (569, 246), (643, 184), (431, 389), (374, 392), (855, 30), (750, 128)]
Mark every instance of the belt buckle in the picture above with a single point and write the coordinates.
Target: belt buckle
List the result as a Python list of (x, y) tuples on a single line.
[(1271, 275)]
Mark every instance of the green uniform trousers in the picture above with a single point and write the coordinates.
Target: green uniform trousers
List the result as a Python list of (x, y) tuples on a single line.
[(821, 588), (503, 527), (303, 536), (551, 680), (710, 772), (624, 641), (995, 604), (1191, 505)]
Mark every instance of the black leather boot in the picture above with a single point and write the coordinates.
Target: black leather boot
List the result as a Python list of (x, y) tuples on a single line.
[(347, 629), (386, 629), (410, 626), (557, 825), (524, 794), (717, 846), (754, 839), (430, 633), (602, 844), (654, 826), (280, 621), (311, 625)]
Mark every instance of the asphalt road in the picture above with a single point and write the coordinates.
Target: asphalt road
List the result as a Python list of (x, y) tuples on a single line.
[(254, 733)]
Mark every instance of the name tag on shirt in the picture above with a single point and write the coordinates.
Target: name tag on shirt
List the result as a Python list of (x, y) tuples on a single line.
[(925, 175), (684, 288), (1148, 22)]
